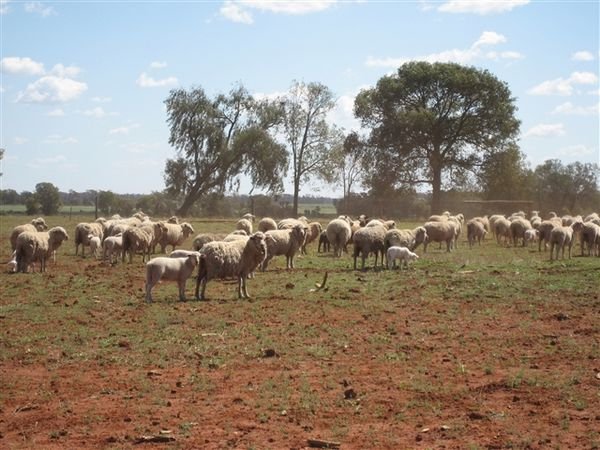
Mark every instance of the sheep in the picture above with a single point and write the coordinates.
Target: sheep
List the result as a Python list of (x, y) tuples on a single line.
[(236, 236), (250, 217), (183, 253), (38, 224), (173, 219), (502, 229), (284, 242), (405, 238), (444, 231), (439, 218), (266, 223), (11, 266), (137, 239), (475, 232), (83, 230), (370, 239), (562, 237), (591, 217), (492, 221), (112, 247), (590, 235), (545, 230), (338, 234), (517, 229), (230, 259), (38, 246), (95, 245), (459, 220), (324, 242), (387, 224), (204, 238), (290, 223), (172, 269), (485, 221), (531, 235), (313, 232), (244, 224), (402, 253), (174, 234)]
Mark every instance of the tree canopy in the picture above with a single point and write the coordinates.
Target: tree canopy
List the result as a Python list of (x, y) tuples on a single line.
[(218, 139), (430, 123)]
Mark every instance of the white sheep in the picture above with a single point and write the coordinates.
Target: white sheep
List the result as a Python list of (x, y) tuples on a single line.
[(291, 222), (475, 232), (38, 224), (369, 239), (545, 230), (443, 231), (137, 239), (204, 238), (35, 246), (172, 269), (502, 229), (11, 266), (84, 229), (244, 224), (266, 223), (531, 235), (518, 226), (562, 237), (112, 247), (174, 234), (400, 253), (338, 234), (183, 253), (312, 233), (405, 238), (250, 217), (95, 245), (590, 237), (230, 259), (284, 242)]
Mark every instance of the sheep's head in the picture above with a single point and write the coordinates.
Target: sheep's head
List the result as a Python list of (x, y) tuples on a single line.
[(58, 234), (187, 229), (39, 224), (421, 235), (258, 243), (299, 232), (173, 219), (194, 259)]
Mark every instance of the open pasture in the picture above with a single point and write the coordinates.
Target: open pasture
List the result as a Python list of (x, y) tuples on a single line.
[(489, 347)]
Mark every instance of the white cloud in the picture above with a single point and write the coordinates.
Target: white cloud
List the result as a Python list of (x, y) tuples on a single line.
[(481, 7), (561, 86), (58, 112), (97, 112), (52, 89), (4, 8), (546, 130), (239, 10), (582, 56), (63, 71), (21, 66), (125, 129), (570, 109), (20, 140), (58, 139), (343, 113), (145, 81), (158, 65), (461, 56), (101, 99), (575, 151), (39, 8)]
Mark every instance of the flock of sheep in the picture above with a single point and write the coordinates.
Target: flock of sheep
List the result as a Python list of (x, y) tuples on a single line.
[(240, 253)]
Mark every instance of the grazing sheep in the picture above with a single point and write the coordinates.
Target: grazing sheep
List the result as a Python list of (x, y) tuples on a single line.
[(313, 232), (502, 230), (475, 232), (38, 224), (485, 221), (338, 234), (562, 237), (230, 259), (492, 220), (83, 230), (590, 236), (405, 238), (266, 223), (402, 253), (244, 224), (324, 242), (531, 235), (284, 242), (174, 234), (444, 231), (370, 239), (95, 245), (204, 238), (517, 230), (545, 230), (112, 247), (35, 246), (137, 239), (459, 221), (172, 269)]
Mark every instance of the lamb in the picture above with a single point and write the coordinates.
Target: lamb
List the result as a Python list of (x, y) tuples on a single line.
[(590, 237), (444, 231), (338, 234), (38, 246), (475, 232), (112, 247), (405, 238), (324, 242), (266, 223), (38, 224), (531, 235), (284, 242), (517, 229), (562, 237), (204, 238), (230, 259), (402, 253), (314, 231), (172, 269), (95, 245), (174, 234), (244, 224), (369, 240), (11, 266), (83, 230)]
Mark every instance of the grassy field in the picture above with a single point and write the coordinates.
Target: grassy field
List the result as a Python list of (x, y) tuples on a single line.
[(482, 348)]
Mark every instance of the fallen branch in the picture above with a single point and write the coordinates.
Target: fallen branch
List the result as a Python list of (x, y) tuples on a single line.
[(318, 443), (320, 286)]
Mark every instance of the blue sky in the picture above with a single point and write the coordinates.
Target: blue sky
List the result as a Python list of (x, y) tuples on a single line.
[(83, 83)]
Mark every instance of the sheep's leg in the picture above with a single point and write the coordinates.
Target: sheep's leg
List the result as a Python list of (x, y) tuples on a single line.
[(182, 291), (148, 292)]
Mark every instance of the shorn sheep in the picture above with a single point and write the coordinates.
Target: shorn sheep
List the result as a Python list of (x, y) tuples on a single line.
[(230, 259), (35, 246), (367, 240), (402, 254), (338, 234), (38, 224), (284, 242), (171, 269)]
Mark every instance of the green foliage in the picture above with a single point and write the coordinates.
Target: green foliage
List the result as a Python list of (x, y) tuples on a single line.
[(48, 198)]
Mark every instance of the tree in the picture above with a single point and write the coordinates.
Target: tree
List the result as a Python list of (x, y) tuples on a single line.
[(505, 176), (430, 123), (217, 140), (306, 131), (106, 202), (345, 163), (48, 197)]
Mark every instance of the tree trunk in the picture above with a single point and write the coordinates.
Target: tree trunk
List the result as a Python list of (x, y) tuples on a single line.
[(296, 192), (188, 202), (436, 190)]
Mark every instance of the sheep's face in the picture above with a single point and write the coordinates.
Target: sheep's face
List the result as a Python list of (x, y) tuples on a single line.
[(300, 232), (187, 229), (258, 240), (58, 234), (421, 235)]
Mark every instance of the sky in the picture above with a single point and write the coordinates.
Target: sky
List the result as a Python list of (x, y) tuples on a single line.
[(83, 83)]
